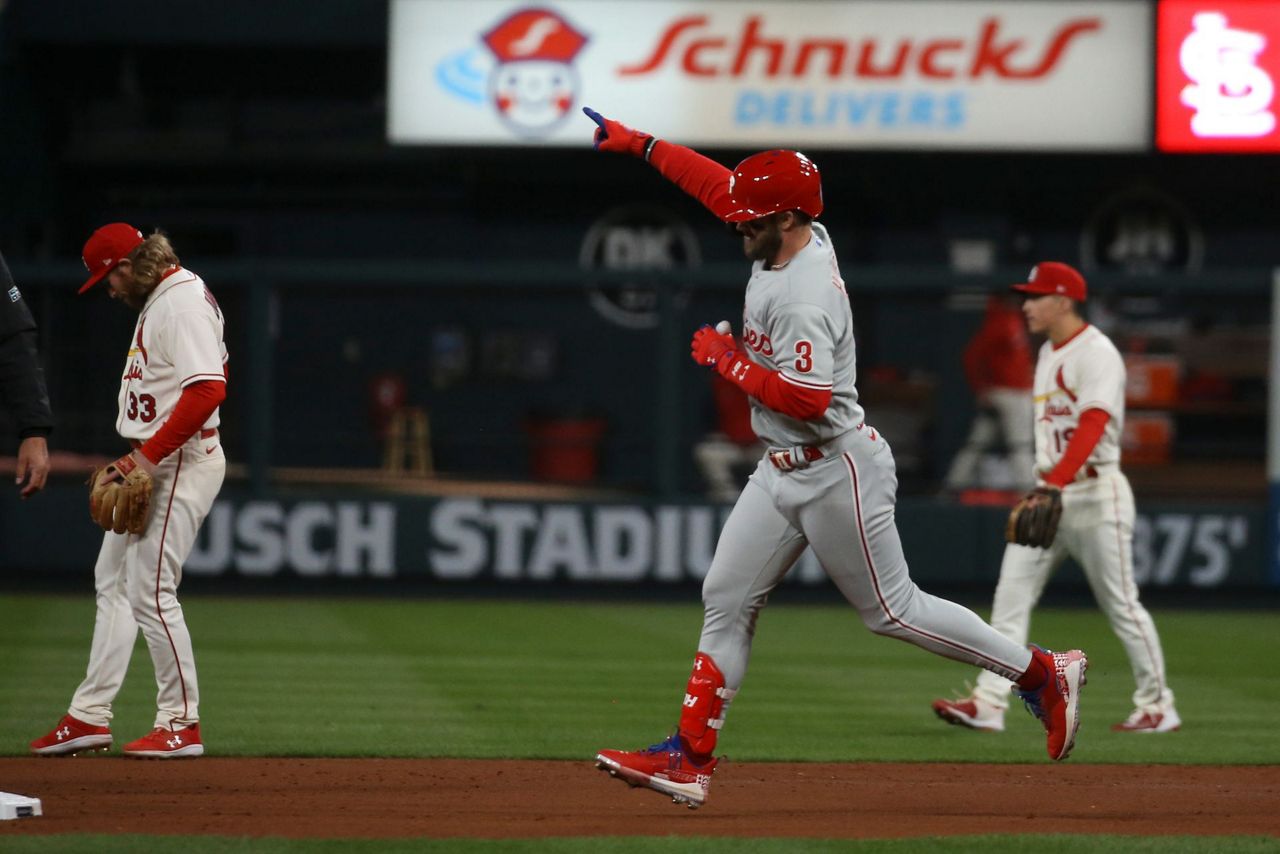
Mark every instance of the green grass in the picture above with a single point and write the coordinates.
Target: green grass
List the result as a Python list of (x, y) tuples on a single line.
[(561, 680), (643, 845)]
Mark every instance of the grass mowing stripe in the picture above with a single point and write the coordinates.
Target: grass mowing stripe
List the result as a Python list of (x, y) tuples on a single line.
[(543, 679), (1042, 844)]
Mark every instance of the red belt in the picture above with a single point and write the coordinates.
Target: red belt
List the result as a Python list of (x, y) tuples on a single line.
[(204, 434)]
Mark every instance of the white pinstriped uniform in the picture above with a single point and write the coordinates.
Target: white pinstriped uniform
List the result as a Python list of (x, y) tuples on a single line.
[(178, 340), (797, 320), (1086, 372)]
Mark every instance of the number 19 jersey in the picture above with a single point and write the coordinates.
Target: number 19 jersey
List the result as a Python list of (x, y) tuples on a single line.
[(1085, 372)]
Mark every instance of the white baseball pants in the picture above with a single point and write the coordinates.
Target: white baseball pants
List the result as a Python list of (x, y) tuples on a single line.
[(1006, 413), (1096, 529), (136, 578), (842, 506)]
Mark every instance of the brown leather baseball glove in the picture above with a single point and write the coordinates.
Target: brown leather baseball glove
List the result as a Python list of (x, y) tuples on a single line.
[(1034, 519), (120, 496)]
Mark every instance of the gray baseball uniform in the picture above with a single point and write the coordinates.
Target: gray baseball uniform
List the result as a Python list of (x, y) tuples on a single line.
[(797, 320)]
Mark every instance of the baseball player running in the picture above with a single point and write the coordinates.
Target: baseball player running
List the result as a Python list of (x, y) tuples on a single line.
[(153, 499), (827, 480), (1079, 415)]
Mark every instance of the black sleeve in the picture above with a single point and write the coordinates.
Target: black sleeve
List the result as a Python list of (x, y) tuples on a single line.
[(22, 387), (15, 317)]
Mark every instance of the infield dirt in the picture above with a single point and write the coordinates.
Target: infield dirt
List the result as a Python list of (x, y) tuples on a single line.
[(382, 798)]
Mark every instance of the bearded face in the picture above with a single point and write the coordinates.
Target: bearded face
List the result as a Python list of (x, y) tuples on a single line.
[(124, 286), (761, 238)]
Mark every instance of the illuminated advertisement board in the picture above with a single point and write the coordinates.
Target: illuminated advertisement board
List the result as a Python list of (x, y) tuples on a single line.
[(866, 73), (1218, 65)]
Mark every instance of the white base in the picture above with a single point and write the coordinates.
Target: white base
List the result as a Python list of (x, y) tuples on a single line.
[(18, 806)]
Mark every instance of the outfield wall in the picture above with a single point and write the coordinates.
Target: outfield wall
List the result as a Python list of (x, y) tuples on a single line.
[(332, 534)]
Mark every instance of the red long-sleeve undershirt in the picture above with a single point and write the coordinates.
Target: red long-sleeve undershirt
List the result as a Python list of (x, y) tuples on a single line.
[(703, 178), (196, 403), (768, 387), (1093, 422), (708, 182)]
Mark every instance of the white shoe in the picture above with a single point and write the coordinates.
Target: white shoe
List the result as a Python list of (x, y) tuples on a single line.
[(971, 712), (1146, 721)]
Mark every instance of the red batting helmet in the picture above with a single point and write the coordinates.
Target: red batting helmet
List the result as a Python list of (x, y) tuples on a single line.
[(773, 181)]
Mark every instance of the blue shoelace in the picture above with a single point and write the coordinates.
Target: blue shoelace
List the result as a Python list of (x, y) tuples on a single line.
[(1032, 701), (671, 745)]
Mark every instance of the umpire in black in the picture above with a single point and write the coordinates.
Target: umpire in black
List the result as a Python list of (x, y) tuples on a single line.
[(22, 387)]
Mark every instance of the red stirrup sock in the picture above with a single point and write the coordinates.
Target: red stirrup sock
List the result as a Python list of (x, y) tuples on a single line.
[(705, 703), (1038, 671)]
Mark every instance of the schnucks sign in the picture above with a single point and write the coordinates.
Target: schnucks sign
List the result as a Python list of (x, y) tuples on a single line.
[(1218, 65), (954, 74)]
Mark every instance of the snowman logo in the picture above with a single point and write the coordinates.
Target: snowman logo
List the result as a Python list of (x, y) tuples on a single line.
[(534, 85)]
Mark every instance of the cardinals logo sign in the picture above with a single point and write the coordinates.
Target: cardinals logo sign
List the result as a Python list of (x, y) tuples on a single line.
[(531, 84)]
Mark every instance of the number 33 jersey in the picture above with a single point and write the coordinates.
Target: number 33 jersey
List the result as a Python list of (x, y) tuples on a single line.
[(1085, 372), (796, 320), (177, 342)]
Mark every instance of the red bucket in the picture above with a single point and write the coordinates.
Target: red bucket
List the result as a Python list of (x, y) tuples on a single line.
[(565, 450)]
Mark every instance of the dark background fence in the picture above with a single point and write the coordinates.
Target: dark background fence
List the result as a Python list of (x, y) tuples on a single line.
[(509, 289)]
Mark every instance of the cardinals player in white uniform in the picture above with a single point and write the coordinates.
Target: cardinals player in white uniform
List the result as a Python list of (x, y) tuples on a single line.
[(1079, 416), (827, 481), (174, 380)]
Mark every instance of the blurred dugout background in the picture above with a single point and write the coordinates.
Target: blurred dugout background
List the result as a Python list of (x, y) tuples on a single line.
[(524, 298)]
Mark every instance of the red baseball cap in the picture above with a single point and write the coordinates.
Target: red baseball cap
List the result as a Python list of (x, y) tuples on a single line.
[(106, 248), (1054, 277)]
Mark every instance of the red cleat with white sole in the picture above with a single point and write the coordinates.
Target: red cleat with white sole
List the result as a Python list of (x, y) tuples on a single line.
[(71, 736), (970, 712), (1149, 722), (665, 768), (1057, 702), (161, 743)]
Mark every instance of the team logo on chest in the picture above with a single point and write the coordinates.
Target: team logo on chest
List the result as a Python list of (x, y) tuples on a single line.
[(1057, 411), (138, 341), (757, 341), (1062, 384)]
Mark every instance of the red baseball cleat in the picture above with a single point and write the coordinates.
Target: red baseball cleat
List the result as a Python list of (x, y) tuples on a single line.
[(970, 712), (665, 768), (1149, 722), (161, 743), (72, 735), (1057, 702)]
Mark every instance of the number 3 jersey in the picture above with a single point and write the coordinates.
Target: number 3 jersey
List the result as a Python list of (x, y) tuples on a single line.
[(1085, 372), (796, 320), (177, 342)]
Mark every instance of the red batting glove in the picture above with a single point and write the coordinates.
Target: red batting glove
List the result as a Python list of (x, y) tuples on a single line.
[(709, 347), (617, 137)]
